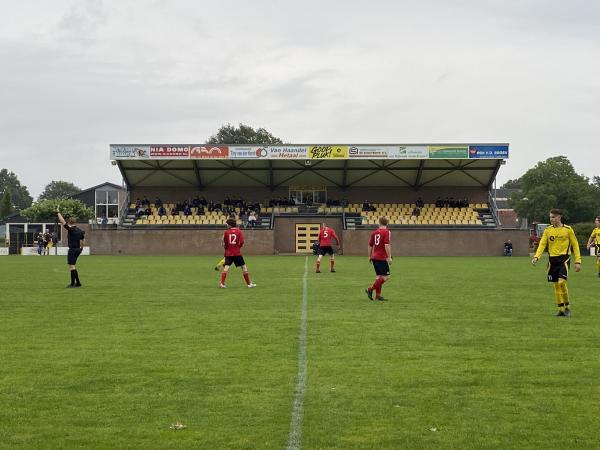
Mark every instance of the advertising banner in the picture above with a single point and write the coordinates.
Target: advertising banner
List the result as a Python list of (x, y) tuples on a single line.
[(374, 151), (248, 152), (414, 152), (56, 251), (488, 151), (288, 152), (209, 152), (129, 152), (3, 251), (328, 152), (166, 152), (449, 152)]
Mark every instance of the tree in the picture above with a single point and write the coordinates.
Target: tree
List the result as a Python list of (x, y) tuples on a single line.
[(555, 184), (6, 207), (45, 210), (19, 194), (57, 190), (512, 184), (245, 134)]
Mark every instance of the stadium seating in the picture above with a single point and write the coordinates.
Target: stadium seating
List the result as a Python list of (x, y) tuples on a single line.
[(401, 214)]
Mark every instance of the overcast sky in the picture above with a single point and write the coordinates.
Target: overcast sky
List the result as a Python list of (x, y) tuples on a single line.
[(79, 75)]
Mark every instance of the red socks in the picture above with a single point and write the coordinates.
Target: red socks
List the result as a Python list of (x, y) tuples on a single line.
[(377, 285), (223, 276), (332, 263), (246, 277)]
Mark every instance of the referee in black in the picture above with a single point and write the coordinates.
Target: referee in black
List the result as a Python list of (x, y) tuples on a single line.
[(76, 237)]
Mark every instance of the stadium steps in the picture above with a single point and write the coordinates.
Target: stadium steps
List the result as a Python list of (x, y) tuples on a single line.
[(353, 220), (486, 217), (128, 220)]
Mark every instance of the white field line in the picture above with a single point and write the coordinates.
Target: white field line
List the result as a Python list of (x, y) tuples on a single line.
[(295, 436)]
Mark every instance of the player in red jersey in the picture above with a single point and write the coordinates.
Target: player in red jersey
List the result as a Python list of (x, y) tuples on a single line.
[(233, 240), (325, 236), (380, 254)]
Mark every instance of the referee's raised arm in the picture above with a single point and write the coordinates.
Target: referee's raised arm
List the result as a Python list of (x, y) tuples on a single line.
[(61, 219)]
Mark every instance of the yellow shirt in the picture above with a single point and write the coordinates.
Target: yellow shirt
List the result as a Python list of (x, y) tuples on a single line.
[(596, 235), (560, 241)]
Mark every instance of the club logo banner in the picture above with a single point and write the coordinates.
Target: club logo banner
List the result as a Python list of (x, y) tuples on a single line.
[(488, 151), (176, 152), (209, 152), (449, 152), (249, 152), (291, 152), (328, 152), (129, 152)]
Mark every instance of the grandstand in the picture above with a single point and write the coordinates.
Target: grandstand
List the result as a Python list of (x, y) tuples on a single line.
[(430, 192)]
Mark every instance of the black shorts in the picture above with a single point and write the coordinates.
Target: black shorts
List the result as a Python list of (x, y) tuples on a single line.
[(325, 250), (381, 267), (237, 260), (73, 255), (558, 267)]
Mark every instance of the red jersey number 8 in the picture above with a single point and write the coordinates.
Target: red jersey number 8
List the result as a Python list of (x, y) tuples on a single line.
[(232, 239), (377, 239)]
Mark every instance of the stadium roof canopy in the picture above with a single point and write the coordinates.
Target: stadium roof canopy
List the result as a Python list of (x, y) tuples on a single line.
[(344, 166)]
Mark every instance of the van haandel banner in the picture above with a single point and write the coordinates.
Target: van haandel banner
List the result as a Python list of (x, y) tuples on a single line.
[(312, 151)]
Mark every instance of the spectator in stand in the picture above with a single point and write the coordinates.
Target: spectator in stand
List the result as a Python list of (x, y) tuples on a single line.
[(138, 203), (416, 211), (174, 211), (252, 219), (47, 242), (187, 211), (140, 211), (145, 201), (244, 218), (40, 243), (200, 210), (439, 203), (148, 211), (420, 203), (508, 248), (162, 211), (158, 202)]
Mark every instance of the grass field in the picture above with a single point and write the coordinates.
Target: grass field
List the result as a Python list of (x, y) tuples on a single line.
[(466, 354)]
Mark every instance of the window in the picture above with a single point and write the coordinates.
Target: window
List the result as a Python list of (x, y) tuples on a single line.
[(107, 203)]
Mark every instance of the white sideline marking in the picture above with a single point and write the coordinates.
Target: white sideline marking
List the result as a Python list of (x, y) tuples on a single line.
[(295, 436)]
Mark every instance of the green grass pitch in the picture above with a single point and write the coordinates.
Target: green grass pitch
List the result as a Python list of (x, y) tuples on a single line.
[(466, 354)]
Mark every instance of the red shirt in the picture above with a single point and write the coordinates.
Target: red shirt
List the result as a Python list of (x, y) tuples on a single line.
[(378, 239), (325, 236), (233, 240)]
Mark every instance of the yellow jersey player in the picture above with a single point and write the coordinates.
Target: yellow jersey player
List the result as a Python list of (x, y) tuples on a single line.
[(595, 240), (220, 264), (561, 242)]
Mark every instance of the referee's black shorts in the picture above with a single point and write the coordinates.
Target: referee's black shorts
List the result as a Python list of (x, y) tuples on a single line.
[(558, 267), (72, 256), (381, 267)]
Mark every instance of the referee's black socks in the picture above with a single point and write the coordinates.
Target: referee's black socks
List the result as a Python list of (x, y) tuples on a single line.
[(75, 278)]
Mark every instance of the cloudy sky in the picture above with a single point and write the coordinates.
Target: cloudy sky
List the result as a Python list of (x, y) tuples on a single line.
[(79, 75)]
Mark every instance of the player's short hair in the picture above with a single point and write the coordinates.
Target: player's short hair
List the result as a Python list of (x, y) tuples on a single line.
[(231, 222), (597, 217), (556, 212), (383, 221)]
